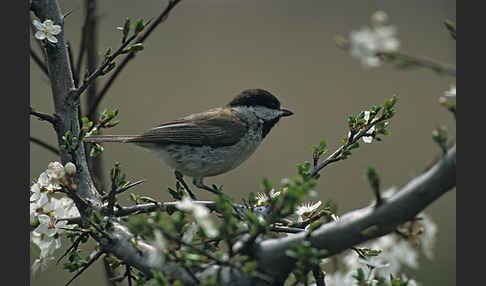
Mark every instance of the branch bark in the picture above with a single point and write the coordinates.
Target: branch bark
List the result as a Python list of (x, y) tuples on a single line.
[(131, 55), (353, 228), (364, 224), (65, 104)]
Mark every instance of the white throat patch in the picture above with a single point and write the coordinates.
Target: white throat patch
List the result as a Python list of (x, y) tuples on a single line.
[(261, 112)]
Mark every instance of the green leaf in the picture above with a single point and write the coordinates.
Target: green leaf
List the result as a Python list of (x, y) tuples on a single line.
[(107, 53), (137, 47), (126, 29), (373, 177), (451, 26), (139, 26)]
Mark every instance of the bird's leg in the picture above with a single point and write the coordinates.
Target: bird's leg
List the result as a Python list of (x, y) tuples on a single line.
[(180, 178), (198, 182)]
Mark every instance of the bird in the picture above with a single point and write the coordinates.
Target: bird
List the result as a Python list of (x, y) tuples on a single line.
[(212, 142)]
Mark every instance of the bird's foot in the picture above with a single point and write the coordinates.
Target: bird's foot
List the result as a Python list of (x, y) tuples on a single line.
[(180, 178), (214, 189)]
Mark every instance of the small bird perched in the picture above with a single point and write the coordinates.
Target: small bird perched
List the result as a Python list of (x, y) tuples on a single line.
[(213, 142)]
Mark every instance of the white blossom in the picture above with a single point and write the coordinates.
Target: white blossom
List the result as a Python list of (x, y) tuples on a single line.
[(262, 198), (47, 214), (41, 264), (306, 210), (368, 139), (367, 42), (46, 30), (427, 238), (70, 169), (201, 214), (340, 278), (451, 92), (189, 233)]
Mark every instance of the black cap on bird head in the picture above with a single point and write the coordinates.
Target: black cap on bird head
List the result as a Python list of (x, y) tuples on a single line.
[(255, 97)]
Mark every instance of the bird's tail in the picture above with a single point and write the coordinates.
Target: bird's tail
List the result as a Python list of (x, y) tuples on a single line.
[(111, 138)]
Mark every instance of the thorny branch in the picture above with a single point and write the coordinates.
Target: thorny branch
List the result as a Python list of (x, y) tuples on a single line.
[(171, 5), (353, 228)]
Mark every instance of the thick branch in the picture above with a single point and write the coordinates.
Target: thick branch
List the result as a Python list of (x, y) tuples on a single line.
[(367, 223), (65, 105)]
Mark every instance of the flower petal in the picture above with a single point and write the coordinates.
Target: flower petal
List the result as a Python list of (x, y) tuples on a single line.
[(48, 23), (52, 39), (38, 25), (40, 35), (367, 139), (54, 29)]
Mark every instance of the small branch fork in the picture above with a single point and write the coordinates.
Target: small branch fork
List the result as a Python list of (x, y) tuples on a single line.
[(43, 116), (116, 239), (131, 55), (334, 157)]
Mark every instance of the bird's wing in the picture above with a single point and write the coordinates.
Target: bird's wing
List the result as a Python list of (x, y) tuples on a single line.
[(215, 128)]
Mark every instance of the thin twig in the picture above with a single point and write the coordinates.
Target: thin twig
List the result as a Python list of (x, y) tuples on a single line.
[(108, 271), (334, 157), (39, 62), (45, 145), (71, 63), (124, 189), (318, 275), (81, 52), (73, 246), (43, 116), (131, 55), (91, 261), (422, 62)]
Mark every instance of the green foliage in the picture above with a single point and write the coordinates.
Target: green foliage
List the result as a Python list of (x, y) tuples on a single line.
[(118, 179), (451, 26), (126, 29), (369, 252), (139, 26), (306, 257), (71, 142), (373, 177), (397, 281), (96, 150), (75, 261), (360, 277), (440, 136)]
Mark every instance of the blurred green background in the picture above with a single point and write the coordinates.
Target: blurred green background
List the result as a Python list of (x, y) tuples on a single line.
[(208, 51)]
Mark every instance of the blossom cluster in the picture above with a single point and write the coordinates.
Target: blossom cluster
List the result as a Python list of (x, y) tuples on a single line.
[(201, 215), (396, 253), (47, 213), (366, 43), (302, 212)]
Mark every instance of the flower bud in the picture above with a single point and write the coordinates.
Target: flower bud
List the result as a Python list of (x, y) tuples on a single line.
[(70, 169)]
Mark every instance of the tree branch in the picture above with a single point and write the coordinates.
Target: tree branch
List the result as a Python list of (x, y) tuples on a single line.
[(334, 157), (45, 145), (131, 55), (422, 62), (65, 104), (43, 116), (361, 225)]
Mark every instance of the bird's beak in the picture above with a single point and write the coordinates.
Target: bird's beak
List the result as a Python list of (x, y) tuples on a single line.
[(286, 112)]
